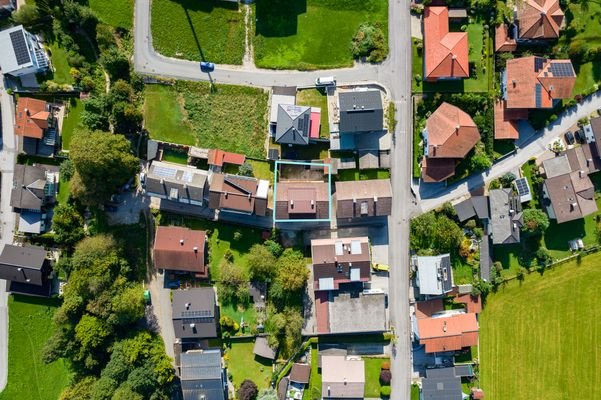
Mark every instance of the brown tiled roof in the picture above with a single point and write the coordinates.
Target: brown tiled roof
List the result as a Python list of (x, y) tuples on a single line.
[(506, 120), (448, 333), (502, 40), (572, 196), (174, 249), (532, 83), (539, 19), (437, 169), (446, 53), (219, 157), (31, 117), (232, 192), (300, 373), (425, 309), (473, 303), (451, 132), (334, 258), (302, 198), (351, 194)]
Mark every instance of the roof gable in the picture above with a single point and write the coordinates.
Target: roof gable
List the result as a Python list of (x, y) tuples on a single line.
[(446, 53), (293, 124), (451, 132)]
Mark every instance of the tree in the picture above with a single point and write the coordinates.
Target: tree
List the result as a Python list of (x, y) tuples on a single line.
[(385, 377), (104, 388), (274, 247), (82, 390), (267, 394), (261, 263), (96, 113), (292, 271), (535, 220), (447, 235), (543, 255), (507, 179), (125, 392), (127, 306), (369, 42), (126, 118), (479, 162), (103, 162), (67, 225), (27, 15), (66, 169), (142, 380), (248, 390), (246, 169), (121, 91), (115, 63), (233, 285), (91, 332)]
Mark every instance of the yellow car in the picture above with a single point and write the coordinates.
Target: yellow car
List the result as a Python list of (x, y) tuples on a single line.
[(380, 267)]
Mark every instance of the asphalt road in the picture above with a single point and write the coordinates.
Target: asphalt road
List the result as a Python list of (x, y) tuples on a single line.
[(8, 156), (395, 75), (433, 196)]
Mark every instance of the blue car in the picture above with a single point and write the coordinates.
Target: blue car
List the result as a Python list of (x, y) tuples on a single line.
[(206, 66)]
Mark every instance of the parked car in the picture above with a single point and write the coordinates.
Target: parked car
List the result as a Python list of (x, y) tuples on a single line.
[(380, 267), (580, 136), (206, 66), (325, 81), (569, 138)]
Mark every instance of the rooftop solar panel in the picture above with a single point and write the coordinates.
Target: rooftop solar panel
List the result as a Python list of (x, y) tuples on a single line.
[(164, 172), (562, 69), (198, 313), (538, 63), (20, 47), (522, 186), (187, 176), (538, 94)]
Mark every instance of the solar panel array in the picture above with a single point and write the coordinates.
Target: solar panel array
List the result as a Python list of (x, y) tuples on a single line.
[(539, 95), (20, 47), (561, 69), (197, 314), (538, 63), (522, 186), (187, 176), (164, 172)]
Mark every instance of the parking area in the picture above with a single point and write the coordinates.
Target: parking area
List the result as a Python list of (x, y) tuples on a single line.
[(126, 208)]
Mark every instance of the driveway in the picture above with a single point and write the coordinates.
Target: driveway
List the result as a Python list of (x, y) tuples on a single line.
[(129, 208), (161, 307)]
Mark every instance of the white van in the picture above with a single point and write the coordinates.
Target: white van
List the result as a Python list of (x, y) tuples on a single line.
[(325, 81)]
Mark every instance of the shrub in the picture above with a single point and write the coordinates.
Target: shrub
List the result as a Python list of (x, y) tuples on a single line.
[(248, 390), (369, 41), (385, 365), (274, 247), (385, 391), (237, 235), (385, 377), (228, 255), (246, 169)]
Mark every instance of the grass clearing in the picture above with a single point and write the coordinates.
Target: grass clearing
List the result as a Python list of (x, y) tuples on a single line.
[(210, 30), (313, 389), (312, 34), (261, 169), (539, 339), (118, 13), (70, 122), (176, 157), (63, 191), (372, 376), (243, 364), (361, 175), (316, 98), (30, 326), (164, 116), (59, 57), (239, 313)]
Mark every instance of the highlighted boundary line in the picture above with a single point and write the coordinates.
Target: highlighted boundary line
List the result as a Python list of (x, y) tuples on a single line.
[(275, 191)]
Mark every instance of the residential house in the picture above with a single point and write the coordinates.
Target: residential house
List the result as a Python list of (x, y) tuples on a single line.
[(370, 198), (539, 19), (194, 313), (475, 206), (505, 216), (181, 250), (342, 377), (434, 274), (177, 183), (26, 270), (530, 83), (34, 189), (445, 383), (202, 375), (238, 194), (445, 52), (449, 332), (360, 111), (218, 158), (36, 126), (449, 136), (302, 200), (340, 261), (569, 196), (22, 53), (504, 39)]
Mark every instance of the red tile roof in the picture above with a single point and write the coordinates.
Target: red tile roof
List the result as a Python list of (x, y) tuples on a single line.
[(180, 249), (473, 303), (315, 124), (322, 312), (437, 169), (506, 120), (451, 132), (532, 82), (31, 117), (446, 53), (503, 42), (448, 333), (539, 19), (219, 157), (425, 309)]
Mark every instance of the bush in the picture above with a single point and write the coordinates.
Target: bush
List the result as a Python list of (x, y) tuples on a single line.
[(385, 365), (246, 169), (248, 390), (274, 247), (385, 377), (507, 179), (385, 391), (237, 235), (369, 41)]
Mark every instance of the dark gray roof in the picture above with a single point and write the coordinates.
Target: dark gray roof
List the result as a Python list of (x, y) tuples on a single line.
[(464, 370), (505, 216), (596, 127), (293, 124), (194, 313), (179, 183), (361, 111), (465, 210), (480, 204), (284, 90), (202, 375), (25, 264), (262, 348), (28, 187), (441, 384)]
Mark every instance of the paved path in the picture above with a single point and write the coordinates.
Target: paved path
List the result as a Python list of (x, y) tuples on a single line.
[(8, 155), (433, 196), (395, 75)]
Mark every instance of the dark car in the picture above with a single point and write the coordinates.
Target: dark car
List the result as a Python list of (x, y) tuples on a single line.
[(570, 137), (580, 136), (206, 66)]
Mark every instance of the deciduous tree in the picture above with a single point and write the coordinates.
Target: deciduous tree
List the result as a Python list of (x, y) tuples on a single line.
[(261, 263)]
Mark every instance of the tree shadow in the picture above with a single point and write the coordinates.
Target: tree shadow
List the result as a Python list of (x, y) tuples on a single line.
[(557, 235), (278, 18)]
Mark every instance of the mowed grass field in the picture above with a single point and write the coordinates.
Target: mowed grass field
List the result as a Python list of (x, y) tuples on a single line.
[(211, 30), (164, 116), (312, 34), (540, 339), (29, 327), (118, 13)]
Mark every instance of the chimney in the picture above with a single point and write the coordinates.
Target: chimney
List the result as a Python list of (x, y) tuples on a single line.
[(444, 326), (514, 82), (573, 206), (291, 203), (457, 129), (181, 242), (188, 306), (195, 249), (192, 325), (312, 204), (354, 200), (581, 172), (375, 199)]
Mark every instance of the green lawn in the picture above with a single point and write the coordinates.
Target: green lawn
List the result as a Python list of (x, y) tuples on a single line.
[(540, 339), (316, 98), (238, 313), (372, 376), (313, 389), (29, 328), (164, 116), (242, 364), (175, 157), (312, 34), (71, 121), (211, 30), (261, 169), (462, 271), (357, 175), (118, 13), (587, 75), (414, 392), (63, 191), (58, 56)]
